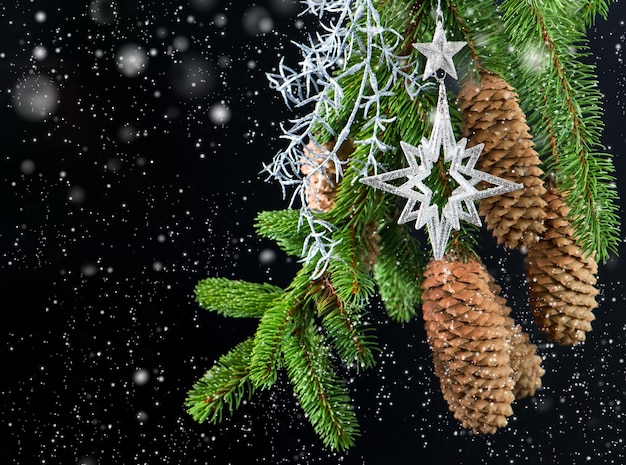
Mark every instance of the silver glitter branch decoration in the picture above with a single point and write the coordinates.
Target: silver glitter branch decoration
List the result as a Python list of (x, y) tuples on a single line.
[(356, 30)]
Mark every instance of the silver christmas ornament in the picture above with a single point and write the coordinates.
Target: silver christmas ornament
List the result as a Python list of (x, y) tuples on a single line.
[(459, 205)]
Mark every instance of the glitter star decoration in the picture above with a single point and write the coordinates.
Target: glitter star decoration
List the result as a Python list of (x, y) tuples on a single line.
[(460, 203), (439, 53)]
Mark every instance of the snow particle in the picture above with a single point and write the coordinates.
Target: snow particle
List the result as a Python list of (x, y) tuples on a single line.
[(40, 52), (131, 60), (219, 114), (27, 166), (220, 20), (35, 98), (257, 20), (41, 16), (203, 5), (192, 77), (141, 377), (267, 256), (103, 11)]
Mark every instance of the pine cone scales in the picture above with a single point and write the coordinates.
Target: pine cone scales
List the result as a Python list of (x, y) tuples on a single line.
[(468, 337), (562, 281), (526, 364), (492, 116), (321, 188)]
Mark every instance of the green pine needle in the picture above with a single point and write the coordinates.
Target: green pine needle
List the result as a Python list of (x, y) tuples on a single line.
[(283, 226), (223, 387), (563, 103), (321, 393), (352, 339), (398, 273), (233, 298)]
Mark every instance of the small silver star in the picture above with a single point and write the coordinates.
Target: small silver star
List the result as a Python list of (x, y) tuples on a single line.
[(439, 53)]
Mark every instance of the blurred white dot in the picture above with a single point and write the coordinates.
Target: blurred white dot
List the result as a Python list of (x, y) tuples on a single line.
[(114, 165), (219, 114), (41, 16), (27, 167), (35, 98), (40, 52), (181, 43), (224, 62), (267, 256), (131, 60), (76, 194), (203, 5), (89, 269), (251, 64), (127, 133), (157, 266), (284, 7), (86, 461), (103, 11), (192, 77), (257, 20), (141, 377), (220, 20), (141, 416)]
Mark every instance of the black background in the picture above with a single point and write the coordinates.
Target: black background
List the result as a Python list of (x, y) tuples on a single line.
[(103, 241)]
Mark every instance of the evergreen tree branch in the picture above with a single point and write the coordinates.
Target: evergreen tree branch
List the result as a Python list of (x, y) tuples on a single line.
[(398, 272), (322, 395), (589, 10), (223, 387), (233, 298), (351, 339), (284, 227), (571, 118), (273, 329)]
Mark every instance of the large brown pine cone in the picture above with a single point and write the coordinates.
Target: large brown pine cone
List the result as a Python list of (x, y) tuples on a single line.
[(492, 116), (321, 186), (526, 364), (562, 280), (469, 339)]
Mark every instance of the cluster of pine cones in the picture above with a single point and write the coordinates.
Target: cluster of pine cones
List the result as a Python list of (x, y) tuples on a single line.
[(483, 360)]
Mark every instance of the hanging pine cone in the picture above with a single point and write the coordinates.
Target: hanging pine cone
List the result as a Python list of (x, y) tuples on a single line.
[(468, 337), (525, 363), (321, 187), (562, 280), (492, 116)]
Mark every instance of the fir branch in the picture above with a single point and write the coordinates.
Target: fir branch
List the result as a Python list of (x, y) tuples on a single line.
[(284, 227), (588, 10), (222, 387), (270, 335), (398, 272), (322, 395), (352, 340), (233, 298), (571, 118), (480, 24)]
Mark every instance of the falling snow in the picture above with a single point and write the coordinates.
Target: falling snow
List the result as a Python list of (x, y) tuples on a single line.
[(133, 135)]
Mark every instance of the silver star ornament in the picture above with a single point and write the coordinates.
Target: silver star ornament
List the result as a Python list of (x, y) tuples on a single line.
[(460, 204), (439, 53)]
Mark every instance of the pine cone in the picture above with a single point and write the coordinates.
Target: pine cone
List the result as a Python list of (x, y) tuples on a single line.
[(562, 280), (468, 337), (492, 116), (321, 188), (526, 364)]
